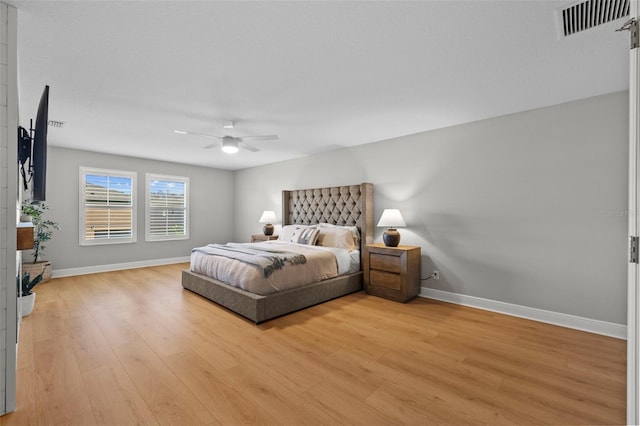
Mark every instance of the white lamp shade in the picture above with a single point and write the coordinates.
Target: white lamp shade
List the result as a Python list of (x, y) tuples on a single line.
[(268, 216), (391, 218)]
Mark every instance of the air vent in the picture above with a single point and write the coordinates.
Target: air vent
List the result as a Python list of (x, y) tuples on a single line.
[(591, 13), (54, 123)]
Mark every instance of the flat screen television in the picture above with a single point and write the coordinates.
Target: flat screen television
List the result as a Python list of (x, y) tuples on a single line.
[(39, 156)]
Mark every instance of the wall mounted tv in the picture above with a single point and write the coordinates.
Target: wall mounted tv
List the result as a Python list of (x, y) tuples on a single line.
[(32, 147)]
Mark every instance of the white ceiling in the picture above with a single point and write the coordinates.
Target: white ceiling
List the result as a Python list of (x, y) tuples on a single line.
[(322, 75)]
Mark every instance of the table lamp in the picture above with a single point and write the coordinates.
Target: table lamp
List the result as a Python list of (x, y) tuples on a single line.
[(391, 219), (268, 216)]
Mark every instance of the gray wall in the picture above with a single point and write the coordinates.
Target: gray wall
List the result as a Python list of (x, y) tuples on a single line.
[(528, 208), (211, 209)]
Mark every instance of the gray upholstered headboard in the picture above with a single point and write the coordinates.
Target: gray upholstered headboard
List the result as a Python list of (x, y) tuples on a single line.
[(340, 205)]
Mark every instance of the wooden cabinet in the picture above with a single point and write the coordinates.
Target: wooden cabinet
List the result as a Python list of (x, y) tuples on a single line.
[(24, 236), (261, 237), (392, 272)]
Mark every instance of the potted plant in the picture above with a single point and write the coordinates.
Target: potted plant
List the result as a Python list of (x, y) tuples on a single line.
[(42, 232), (28, 298)]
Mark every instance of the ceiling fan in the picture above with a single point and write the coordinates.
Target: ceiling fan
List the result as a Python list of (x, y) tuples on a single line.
[(230, 144)]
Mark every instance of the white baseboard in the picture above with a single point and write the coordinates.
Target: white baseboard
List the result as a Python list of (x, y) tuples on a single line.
[(116, 267), (570, 321)]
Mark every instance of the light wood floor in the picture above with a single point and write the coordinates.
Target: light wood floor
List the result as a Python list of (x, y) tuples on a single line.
[(133, 347)]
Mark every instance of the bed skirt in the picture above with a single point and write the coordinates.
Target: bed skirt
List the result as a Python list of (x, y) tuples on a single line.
[(259, 308)]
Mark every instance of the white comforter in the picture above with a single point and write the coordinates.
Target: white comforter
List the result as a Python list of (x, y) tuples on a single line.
[(322, 263)]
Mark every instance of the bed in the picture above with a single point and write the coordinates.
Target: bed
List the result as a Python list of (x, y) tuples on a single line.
[(340, 205)]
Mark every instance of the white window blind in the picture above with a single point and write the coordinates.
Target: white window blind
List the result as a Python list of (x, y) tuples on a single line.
[(167, 207), (107, 206)]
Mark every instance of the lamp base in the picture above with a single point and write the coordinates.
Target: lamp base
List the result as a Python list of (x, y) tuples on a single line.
[(391, 237), (268, 229)]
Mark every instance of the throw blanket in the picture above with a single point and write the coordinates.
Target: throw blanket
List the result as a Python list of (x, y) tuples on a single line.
[(267, 259)]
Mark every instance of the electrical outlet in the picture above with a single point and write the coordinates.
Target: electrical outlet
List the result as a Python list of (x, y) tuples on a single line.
[(436, 275)]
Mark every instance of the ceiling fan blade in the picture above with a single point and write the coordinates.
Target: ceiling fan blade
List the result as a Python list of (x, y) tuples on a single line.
[(211, 145), (260, 137), (248, 147), (184, 132)]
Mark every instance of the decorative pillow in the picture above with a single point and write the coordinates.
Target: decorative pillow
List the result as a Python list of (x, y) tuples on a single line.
[(287, 231), (305, 236), (336, 237)]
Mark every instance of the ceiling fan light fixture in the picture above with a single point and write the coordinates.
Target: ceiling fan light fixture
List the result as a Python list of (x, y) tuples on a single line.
[(229, 146)]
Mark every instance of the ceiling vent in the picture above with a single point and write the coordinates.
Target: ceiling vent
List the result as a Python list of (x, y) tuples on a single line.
[(54, 123), (591, 13)]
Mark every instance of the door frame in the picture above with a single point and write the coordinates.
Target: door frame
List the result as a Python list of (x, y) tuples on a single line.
[(633, 318)]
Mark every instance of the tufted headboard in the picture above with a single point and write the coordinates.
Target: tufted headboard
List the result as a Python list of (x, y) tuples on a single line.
[(340, 205)]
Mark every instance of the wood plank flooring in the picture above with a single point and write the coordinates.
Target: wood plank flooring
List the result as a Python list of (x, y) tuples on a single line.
[(133, 347)]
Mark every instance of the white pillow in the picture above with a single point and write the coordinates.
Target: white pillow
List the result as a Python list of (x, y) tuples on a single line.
[(287, 231), (354, 229), (336, 237)]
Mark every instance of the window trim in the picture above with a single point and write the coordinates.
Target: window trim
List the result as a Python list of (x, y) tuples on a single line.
[(82, 206), (156, 176)]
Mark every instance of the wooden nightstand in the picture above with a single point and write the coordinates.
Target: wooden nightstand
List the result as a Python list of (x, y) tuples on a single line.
[(392, 272), (261, 237)]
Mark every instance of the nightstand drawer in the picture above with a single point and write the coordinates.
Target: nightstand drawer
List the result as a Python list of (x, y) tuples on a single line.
[(256, 238), (385, 279), (384, 262)]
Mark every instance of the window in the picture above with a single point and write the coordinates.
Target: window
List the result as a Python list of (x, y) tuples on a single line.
[(107, 206), (167, 208)]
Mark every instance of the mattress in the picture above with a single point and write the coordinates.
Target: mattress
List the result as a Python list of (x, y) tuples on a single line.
[(322, 263)]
